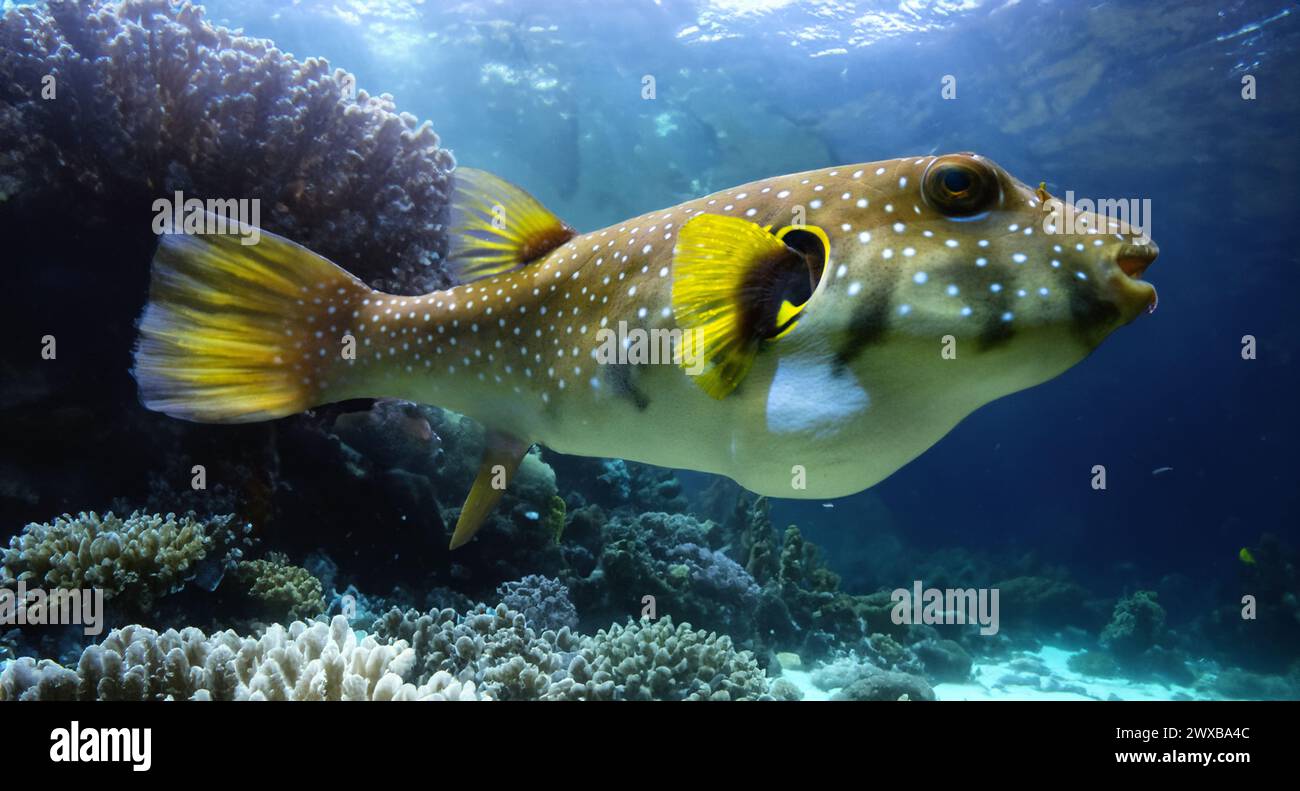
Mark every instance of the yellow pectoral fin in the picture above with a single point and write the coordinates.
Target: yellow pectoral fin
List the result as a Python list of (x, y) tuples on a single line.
[(729, 281), (501, 457), (496, 227)]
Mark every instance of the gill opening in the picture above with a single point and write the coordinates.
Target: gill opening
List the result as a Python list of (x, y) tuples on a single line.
[(813, 246)]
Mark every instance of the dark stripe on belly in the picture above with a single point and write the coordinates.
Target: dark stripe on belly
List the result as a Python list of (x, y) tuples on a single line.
[(994, 331), (869, 323), (620, 378), (1092, 317)]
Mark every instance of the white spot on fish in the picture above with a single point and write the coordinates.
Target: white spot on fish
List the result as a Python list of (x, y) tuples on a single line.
[(790, 411)]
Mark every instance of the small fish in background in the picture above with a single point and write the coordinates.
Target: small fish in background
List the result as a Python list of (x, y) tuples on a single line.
[(1246, 556), (828, 505), (795, 320), (1161, 470)]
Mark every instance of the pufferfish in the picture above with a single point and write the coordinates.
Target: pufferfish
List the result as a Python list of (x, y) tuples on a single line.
[(805, 335)]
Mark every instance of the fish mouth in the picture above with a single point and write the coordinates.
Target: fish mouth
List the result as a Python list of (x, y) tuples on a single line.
[(1133, 258)]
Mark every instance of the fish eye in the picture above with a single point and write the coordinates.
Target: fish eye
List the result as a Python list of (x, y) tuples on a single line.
[(960, 185)]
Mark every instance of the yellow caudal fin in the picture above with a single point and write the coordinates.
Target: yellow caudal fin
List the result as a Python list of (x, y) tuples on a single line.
[(735, 285), (497, 227), (231, 333)]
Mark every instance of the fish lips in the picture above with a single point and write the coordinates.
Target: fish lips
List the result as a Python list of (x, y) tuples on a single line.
[(1132, 259)]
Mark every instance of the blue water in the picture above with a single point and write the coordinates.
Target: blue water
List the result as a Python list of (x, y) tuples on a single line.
[(1138, 100)]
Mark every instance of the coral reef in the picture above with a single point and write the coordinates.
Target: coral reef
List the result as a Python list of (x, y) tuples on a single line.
[(151, 98), (543, 601), (492, 647), (134, 561), (106, 107), (666, 556), (653, 660), (615, 484), (483, 653), (286, 592), (314, 661), (1135, 627), (509, 660), (1264, 637)]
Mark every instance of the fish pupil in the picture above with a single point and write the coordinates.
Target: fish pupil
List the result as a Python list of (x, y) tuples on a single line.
[(956, 180)]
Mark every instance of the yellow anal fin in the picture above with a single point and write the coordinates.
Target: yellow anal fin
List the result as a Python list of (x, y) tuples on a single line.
[(501, 457), (730, 278), (496, 226)]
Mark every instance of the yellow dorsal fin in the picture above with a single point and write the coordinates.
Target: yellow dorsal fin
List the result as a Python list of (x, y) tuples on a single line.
[(497, 227), (501, 457), (730, 278)]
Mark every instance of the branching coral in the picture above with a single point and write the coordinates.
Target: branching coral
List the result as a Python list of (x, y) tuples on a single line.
[(133, 560), (653, 660), (509, 660), (286, 591), (148, 98), (314, 661), (494, 648)]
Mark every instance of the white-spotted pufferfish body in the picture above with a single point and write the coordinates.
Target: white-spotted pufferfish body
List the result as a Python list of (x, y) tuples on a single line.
[(821, 329)]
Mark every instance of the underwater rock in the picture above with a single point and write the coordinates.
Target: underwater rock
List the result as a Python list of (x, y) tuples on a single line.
[(379, 525), (944, 660), (1099, 664), (1268, 642), (886, 685), (783, 689), (846, 670), (391, 434), (1035, 602), (789, 660), (1237, 684)]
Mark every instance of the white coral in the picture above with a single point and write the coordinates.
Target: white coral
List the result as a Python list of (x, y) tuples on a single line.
[(303, 661)]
